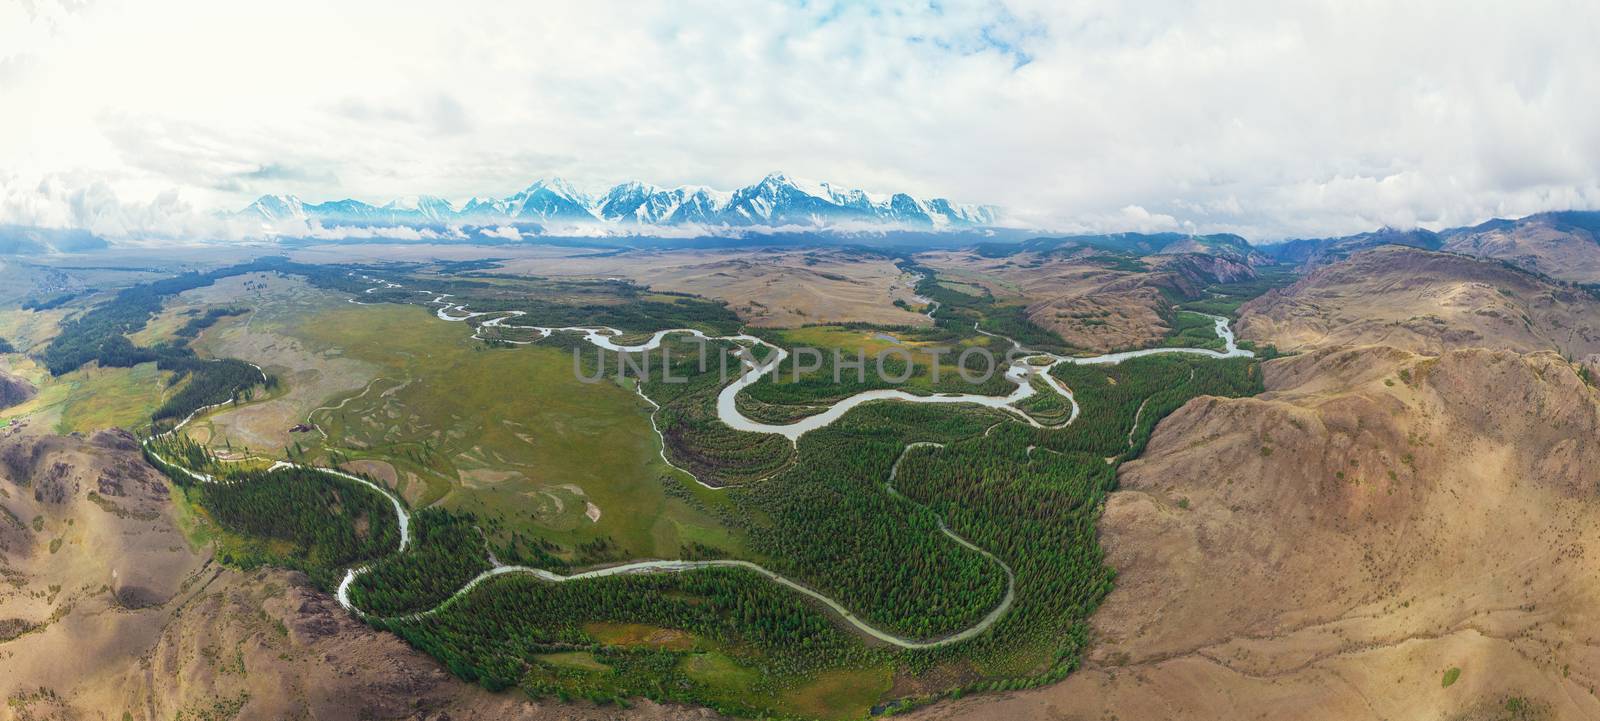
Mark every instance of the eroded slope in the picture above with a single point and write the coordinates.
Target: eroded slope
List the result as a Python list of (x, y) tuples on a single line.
[(1564, 245), (1330, 550), (1094, 301), (1426, 302)]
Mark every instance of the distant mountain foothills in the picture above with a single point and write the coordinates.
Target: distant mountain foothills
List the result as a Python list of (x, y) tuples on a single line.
[(1321, 251), (1564, 245), (775, 201), (1224, 245), (782, 210), (29, 240), (1427, 302)]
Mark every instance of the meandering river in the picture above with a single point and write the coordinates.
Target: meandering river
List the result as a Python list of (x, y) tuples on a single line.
[(1025, 365)]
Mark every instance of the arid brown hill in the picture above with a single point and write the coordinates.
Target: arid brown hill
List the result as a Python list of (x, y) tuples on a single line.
[(1093, 300), (1563, 245), (1425, 302), (1335, 547)]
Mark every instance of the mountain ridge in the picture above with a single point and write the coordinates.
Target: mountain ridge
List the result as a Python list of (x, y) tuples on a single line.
[(777, 200), (1563, 244)]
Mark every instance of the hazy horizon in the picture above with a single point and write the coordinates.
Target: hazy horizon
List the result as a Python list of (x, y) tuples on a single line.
[(1270, 120)]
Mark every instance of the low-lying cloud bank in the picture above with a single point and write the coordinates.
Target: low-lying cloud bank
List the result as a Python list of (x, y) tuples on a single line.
[(1272, 120)]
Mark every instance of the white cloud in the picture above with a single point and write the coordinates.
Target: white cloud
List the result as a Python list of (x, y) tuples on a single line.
[(504, 232), (82, 200), (1139, 219), (1267, 118)]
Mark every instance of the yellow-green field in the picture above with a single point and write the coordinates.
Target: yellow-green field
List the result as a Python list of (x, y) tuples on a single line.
[(772, 401), (89, 399), (110, 397), (976, 283), (635, 635), (278, 305), (507, 434), (848, 340), (28, 329), (841, 694)]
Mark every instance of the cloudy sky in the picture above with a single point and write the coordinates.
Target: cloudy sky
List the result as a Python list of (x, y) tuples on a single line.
[(1272, 119)]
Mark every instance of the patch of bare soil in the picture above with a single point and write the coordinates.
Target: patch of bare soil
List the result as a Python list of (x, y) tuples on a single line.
[(1427, 302), (1333, 548), (380, 470)]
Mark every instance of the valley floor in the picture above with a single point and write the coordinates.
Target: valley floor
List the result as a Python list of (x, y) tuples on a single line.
[(1398, 527)]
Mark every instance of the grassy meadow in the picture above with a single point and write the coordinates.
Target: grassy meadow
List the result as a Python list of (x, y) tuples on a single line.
[(508, 434)]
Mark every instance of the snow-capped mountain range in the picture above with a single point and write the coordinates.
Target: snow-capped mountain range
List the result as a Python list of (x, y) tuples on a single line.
[(777, 201)]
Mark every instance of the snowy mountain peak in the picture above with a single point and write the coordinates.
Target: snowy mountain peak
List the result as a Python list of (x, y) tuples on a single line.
[(427, 207), (274, 208), (416, 202), (777, 200), (556, 185)]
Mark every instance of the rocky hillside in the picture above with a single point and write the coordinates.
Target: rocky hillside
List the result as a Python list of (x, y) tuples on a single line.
[(1130, 310), (1426, 302), (1094, 299), (1563, 245), (1381, 535)]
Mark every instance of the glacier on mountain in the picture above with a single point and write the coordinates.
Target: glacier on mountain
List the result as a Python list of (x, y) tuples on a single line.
[(776, 201)]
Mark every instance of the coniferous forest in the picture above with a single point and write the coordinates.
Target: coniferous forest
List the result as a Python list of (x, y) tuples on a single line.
[(288, 516), (449, 551), (921, 519)]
